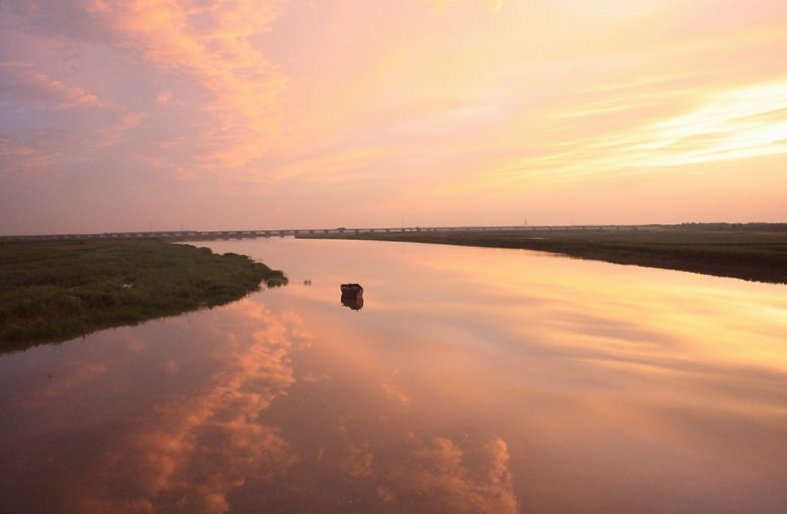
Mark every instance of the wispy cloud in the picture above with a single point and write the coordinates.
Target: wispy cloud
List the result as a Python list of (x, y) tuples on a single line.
[(210, 44), (22, 85), (230, 85), (18, 157), (735, 124)]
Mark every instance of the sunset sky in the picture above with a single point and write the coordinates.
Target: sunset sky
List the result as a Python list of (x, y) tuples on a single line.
[(122, 115)]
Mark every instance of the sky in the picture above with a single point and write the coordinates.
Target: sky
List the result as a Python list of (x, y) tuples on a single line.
[(131, 115)]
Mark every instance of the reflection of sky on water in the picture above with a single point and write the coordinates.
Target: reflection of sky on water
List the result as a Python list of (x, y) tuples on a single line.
[(164, 417), (473, 380)]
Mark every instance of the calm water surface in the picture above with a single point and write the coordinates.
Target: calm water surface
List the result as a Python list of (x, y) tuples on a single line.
[(473, 380)]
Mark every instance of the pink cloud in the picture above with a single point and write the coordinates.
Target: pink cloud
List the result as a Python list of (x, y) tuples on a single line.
[(18, 157), (227, 92), (209, 43), (27, 86)]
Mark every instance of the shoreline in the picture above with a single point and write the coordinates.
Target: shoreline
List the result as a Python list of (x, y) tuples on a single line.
[(54, 291), (748, 253)]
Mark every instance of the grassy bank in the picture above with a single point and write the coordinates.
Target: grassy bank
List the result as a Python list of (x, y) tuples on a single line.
[(751, 251), (51, 291)]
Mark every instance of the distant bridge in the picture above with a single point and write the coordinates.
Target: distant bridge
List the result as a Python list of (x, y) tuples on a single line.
[(189, 235)]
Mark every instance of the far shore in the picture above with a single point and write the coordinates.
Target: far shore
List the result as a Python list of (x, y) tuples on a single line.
[(755, 252)]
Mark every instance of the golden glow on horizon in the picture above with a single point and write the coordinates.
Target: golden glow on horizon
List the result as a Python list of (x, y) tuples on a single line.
[(736, 124), (732, 125)]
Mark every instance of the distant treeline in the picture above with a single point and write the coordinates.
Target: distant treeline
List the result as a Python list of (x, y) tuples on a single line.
[(768, 227)]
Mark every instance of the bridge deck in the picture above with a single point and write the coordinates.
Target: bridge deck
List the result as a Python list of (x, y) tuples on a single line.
[(184, 235)]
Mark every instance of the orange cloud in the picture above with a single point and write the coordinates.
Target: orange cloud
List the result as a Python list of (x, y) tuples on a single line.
[(738, 123), (211, 44), (28, 86)]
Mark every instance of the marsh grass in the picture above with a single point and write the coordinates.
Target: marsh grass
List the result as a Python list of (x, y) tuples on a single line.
[(52, 291), (755, 251)]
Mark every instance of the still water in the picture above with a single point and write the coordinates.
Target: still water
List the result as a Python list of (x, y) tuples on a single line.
[(472, 380)]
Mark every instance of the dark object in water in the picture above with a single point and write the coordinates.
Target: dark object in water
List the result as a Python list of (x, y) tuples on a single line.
[(352, 296), (352, 289)]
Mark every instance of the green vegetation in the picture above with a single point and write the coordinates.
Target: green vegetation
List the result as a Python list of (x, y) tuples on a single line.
[(52, 291), (754, 251)]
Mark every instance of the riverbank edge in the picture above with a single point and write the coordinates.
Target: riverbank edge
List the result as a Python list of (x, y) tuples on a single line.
[(54, 291), (751, 256)]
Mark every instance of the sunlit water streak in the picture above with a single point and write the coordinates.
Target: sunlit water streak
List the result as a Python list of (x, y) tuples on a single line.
[(473, 380)]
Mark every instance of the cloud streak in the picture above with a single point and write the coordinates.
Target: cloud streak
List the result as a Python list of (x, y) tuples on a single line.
[(735, 124), (23, 85)]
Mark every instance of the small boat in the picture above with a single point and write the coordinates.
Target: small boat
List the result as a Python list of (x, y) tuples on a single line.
[(354, 289), (352, 296)]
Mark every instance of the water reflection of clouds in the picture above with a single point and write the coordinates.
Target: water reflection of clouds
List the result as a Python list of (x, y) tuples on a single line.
[(480, 393), (434, 474), (394, 471), (674, 366), (394, 390), (564, 302), (198, 436), (71, 375), (662, 383), (358, 445), (198, 446), (439, 476)]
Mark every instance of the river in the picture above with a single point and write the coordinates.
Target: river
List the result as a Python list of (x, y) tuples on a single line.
[(471, 380)]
